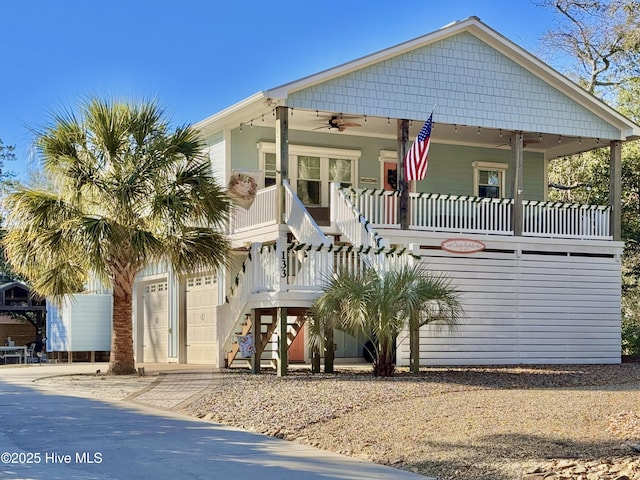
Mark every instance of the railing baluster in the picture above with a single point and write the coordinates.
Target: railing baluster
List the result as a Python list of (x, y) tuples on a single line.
[(455, 213)]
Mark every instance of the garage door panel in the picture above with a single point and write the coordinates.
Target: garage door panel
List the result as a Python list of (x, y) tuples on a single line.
[(201, 302), (156, 325)]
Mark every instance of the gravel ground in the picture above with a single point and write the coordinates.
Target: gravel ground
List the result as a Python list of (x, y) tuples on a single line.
[(579, 422), (503, 423)]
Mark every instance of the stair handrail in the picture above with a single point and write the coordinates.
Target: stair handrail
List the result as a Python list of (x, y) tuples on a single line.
[(300, 221), (252, 278), (349, 220)]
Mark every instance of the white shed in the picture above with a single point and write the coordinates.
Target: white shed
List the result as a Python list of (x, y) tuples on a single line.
[(81, 323)]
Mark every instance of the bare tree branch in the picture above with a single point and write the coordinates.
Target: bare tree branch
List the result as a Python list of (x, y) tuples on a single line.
[(602, 37)]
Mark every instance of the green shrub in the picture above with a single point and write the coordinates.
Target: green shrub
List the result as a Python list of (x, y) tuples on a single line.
[(631, 323)]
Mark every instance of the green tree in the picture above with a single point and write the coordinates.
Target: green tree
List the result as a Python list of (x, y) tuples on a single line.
[(126, 191), (598, 44), (377, 304), (589, 173), (6, 155)]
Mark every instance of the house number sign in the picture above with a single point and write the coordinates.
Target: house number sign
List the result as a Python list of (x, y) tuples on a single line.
[(462, 245), (283, 265)]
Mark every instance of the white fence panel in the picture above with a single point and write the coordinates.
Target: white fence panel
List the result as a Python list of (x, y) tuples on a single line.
[(520, 319)]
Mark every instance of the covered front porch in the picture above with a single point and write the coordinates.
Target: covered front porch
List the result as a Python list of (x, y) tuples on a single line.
[(334, 188)]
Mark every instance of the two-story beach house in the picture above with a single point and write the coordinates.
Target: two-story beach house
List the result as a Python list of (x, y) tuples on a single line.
[(321, 157)]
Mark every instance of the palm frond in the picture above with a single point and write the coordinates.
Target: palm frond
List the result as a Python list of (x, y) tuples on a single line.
[(197, 248), (379, 304), (126, 191)]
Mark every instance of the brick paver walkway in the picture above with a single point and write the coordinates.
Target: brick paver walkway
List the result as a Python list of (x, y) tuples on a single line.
[(172, 389)]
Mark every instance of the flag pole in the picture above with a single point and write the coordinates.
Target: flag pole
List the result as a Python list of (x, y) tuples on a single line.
[(414, 168)]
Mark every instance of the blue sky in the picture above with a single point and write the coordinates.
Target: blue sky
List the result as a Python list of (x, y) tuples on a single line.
[(199, 56)]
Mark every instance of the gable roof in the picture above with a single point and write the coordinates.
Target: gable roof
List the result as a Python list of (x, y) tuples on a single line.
[(290, 94), (6, 283)]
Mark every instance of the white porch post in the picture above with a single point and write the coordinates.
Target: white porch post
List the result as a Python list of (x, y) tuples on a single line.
[(516, 175), (282, 173), (282, 159), (615, 189)]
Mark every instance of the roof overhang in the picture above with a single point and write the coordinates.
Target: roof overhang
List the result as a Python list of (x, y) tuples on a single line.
[(629, 130), (262, 104), (252, 107)]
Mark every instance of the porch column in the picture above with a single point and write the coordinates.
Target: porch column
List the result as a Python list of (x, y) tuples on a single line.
[(283, 344), (516, 176), (282, 159), (256, 327), (281, 314), (615, 189), (282, 173), (403, 185)]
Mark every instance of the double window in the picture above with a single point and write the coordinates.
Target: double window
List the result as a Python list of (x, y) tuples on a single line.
[(312, 170)]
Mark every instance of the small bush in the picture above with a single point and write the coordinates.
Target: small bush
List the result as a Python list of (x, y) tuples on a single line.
[(631, 336), (631, 323)]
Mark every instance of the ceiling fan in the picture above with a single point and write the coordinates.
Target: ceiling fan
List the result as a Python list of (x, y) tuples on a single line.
[(339, 122)]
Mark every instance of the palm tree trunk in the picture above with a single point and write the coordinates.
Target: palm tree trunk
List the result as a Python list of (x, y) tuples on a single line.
[(414, 348), (384, 364), (383, 367), (121, 361), (315, 359), (329, 350)]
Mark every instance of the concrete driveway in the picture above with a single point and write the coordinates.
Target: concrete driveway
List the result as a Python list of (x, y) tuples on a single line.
[(45, 435)]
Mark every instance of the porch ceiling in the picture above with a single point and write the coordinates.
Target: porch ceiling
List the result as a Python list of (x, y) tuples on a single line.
[(551, 145)]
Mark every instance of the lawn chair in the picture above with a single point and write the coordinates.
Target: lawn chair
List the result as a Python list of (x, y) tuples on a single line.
[(31, 354)]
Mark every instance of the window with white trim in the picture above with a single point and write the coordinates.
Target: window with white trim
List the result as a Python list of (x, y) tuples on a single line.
[(309, 184), (489, 179), (269, 167), (312, 170)]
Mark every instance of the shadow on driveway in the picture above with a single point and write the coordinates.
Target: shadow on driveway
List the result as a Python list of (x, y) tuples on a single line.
[(54, 437)]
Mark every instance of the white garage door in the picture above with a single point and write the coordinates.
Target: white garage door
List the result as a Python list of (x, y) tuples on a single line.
[(156, 326), (201, 301)]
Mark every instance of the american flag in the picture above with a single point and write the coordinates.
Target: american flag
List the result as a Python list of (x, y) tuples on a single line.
[(417, 157)]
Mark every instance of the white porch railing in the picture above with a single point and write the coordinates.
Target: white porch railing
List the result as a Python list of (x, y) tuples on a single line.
[(258, 273), (229, 314), (300, 222), (308, 269), (464, 214), (262, 212), (380, 207), (554, 219), (455, 213)]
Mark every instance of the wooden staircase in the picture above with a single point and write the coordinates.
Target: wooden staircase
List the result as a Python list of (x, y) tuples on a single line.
[(235, 347), (263, 339)]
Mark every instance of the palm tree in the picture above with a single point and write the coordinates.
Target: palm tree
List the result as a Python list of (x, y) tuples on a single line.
[(377, 304), (126, 190)]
